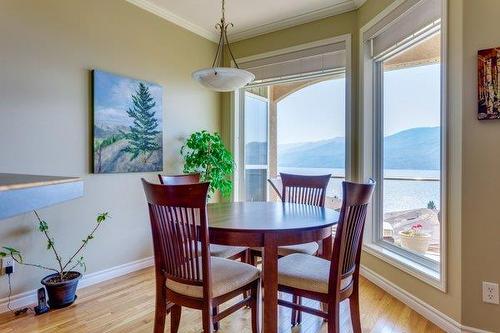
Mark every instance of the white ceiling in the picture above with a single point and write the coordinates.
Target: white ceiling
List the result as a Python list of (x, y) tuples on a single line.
[(250, 17)]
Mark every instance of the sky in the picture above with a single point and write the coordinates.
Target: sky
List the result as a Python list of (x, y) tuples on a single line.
[(411, 99), (113, 96)]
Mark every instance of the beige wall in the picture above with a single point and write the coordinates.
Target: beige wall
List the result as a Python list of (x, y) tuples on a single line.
[(481, 179), (47, 50)]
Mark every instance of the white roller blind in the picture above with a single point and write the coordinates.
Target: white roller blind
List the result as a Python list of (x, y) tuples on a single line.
[(410, 18), (315, 60)]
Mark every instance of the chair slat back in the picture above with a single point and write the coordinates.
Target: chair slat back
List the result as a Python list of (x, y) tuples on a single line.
[(178, 220), (192, 178), (307, 190), (349, 235)]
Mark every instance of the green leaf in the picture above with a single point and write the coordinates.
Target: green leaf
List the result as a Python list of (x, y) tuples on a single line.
[(43, 226), (102, 217), (50, 244), (11, 250), (206, 154), (3, 254)]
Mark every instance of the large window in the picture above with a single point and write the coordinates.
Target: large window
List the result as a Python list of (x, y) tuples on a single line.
[(410, 140), (403, 146), (294, 127), (311, 131)]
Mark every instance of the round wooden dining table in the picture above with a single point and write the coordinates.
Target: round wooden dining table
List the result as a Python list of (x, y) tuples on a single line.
[(270, 225)]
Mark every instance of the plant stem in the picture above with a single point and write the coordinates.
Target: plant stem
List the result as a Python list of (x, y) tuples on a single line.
[(79, 249), (34, 265), (58, 258)]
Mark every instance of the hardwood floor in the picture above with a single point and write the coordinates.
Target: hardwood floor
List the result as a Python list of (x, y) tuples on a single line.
[(126, 304)]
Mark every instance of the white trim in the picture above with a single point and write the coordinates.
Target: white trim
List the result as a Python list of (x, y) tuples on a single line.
[(315, 15), (404, 264), (175, 19), (30, 297), (346, 6), (440, 319)]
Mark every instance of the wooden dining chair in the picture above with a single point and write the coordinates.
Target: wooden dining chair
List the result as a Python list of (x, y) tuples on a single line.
[(185, 275), (308, 190), (331, 281), (191, 178), (223, 251)]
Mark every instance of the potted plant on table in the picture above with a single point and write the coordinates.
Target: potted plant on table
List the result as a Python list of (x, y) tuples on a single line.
[(415, 239), (61, 285), (205, 153)]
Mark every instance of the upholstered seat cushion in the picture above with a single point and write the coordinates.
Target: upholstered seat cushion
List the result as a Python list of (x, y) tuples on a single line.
[(306, 272), (227, 275), (306, 248), (223, 251)]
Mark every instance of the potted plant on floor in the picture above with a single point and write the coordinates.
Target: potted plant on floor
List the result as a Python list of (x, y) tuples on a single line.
[(205, 154), (61, 285), (415, 239)]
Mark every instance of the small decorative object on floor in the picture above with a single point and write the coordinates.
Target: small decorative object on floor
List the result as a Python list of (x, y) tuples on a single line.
[(61, 286), (127, 124), (488, 84), (205, 153), (415, 239)]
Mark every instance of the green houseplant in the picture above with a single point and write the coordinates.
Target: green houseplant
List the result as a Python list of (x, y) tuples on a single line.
[(205, 153), (61, 285)]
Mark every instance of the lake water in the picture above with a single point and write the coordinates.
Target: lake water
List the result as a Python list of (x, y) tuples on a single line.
[(398, 194)]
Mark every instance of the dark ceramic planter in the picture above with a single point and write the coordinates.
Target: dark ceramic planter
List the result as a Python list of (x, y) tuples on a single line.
[(61, 294)]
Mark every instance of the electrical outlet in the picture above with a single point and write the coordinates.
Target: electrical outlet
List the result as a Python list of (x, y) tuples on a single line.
[(7, 262), (490, 292)]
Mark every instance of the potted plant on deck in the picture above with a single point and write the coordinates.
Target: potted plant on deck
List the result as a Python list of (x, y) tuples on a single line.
[(61, 285), (204, 153), (415, 239)]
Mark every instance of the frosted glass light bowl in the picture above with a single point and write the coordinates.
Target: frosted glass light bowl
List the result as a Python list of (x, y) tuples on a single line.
[(223, 78)]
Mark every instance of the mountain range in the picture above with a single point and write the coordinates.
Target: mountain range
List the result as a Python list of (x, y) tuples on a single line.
[(414, 149)]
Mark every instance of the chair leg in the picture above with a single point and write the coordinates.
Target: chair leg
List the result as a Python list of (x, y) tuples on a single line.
[(293, 317), (299, 313), (251, 258), (245, 257), (206, 316), (333, 318), (215, 310), (160, 307), (255, 293), (296, 318), (175, 318), (355, 313)]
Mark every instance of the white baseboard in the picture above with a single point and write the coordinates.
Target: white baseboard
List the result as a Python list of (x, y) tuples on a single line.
[(441, 320), (30, 297)]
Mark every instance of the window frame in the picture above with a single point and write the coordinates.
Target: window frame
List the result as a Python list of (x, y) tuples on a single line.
[(371, 155), (244, 166), (236, 116)]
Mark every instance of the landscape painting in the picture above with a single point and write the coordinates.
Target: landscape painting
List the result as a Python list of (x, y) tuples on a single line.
[(488, 84), (127, 124)]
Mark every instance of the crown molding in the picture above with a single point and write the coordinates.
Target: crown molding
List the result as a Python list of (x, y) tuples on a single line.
[(343, 7), (173, 18)]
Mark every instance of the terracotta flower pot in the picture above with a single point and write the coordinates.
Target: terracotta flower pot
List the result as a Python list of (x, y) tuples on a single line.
[(61, 294), (416, 243)]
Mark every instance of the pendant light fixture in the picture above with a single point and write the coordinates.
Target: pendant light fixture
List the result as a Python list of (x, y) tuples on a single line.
[(221, 78)]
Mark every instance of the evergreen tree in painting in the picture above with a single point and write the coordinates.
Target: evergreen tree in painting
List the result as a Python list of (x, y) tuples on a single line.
[(142, 135)]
